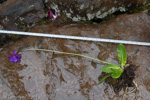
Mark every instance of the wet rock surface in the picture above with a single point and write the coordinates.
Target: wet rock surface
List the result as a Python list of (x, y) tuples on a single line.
[(2, 1), (52, 76), (19, 15), (19, 7), (14, 12), (81, 10)]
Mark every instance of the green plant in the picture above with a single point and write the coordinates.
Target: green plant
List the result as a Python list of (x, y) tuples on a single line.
[(114, 70)]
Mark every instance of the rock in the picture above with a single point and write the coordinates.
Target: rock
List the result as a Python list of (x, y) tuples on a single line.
[(2, 1), (19, 7), (1, 27), (52, 76), (78, 10), (14, 12), (19, 15)]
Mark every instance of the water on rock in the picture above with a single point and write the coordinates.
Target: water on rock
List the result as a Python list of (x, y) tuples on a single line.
[(51, 76)]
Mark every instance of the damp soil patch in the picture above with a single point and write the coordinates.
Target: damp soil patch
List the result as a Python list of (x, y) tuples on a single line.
[(125, 80)]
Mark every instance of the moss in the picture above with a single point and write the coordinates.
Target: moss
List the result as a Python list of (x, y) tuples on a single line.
[(22, 26), (14, 37), (6, 38), (43, 21), (138, 9)]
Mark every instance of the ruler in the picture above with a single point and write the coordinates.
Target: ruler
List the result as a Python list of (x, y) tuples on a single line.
[(75, 37)]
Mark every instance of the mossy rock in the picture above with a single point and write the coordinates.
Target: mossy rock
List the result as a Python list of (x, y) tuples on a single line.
[(6, 38)]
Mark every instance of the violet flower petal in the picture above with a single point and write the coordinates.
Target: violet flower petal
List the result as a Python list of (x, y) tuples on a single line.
[(18, 58), (15, 60), (14, 52), (12, 57)]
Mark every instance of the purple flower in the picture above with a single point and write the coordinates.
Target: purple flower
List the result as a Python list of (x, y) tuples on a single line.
[(14, 57)]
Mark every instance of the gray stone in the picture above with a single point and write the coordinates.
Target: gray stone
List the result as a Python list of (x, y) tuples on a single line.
[(53, 76), (19, 7), (90, 9)]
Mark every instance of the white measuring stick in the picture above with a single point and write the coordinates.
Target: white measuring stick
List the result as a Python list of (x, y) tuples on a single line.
[(75, 37)]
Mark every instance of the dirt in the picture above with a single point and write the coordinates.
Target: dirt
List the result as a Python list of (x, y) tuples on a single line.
[(127, 77), (125, 80)]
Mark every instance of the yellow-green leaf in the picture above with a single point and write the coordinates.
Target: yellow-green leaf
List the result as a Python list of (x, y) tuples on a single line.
[(122, 55), (117, 74), (110, 68)]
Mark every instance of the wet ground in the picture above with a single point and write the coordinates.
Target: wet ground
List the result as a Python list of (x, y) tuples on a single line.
[(50, 76)]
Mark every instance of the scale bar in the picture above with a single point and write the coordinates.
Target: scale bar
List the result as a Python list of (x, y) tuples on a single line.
[(75, 37)]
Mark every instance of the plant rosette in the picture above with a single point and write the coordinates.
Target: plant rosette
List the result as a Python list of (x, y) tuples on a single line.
[(114, 70)]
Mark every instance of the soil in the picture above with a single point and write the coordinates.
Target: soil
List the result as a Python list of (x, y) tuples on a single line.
[(126, 79)]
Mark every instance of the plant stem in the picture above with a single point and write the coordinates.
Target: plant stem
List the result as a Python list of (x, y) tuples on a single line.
[(69, 54)]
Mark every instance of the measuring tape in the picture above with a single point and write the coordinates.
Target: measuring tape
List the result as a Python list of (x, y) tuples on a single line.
[(75, 37)]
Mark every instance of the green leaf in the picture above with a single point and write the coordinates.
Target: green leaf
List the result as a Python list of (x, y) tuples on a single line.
[(104, 78), (117, 74), (122, 55), (110, 68)]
